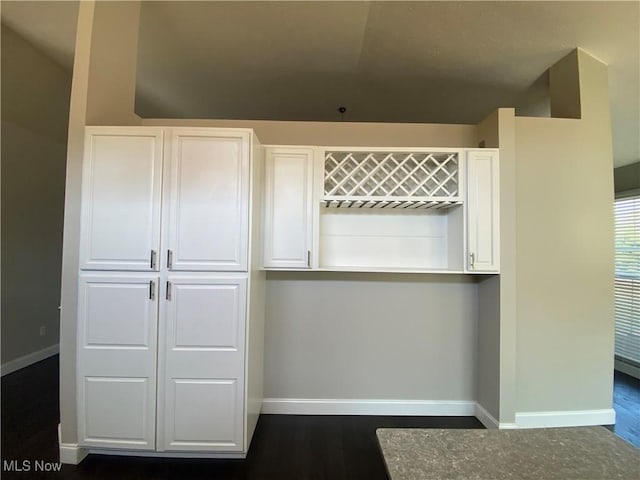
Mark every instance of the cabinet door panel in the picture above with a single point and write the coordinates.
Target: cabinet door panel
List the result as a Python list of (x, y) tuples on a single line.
[(483, 220), (116, 411), (121, 193), (208, 200), (204, 364), (288, 204), (217, 425), (117, 325)]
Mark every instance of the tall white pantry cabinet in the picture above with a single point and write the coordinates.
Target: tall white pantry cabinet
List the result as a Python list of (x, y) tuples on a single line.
[(171, 299)]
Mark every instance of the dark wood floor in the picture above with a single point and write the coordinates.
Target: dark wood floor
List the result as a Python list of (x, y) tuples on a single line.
[(284, 446), (626, 401)]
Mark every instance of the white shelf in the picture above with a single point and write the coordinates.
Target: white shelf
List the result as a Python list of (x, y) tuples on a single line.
[(382, 239), (359, 269)]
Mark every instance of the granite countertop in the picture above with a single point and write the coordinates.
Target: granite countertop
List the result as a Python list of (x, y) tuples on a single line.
[(576, 453)]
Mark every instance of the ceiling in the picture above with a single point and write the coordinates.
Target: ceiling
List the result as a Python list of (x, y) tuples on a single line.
[(443, 62)]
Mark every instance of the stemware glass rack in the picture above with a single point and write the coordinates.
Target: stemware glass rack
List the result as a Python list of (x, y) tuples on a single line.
[(391, 179)]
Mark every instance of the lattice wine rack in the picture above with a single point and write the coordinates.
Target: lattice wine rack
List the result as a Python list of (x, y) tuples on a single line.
[(391, 179)]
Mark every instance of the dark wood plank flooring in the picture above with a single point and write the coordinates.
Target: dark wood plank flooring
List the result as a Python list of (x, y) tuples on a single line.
[(296, 447), (284, 446), (626, 401)]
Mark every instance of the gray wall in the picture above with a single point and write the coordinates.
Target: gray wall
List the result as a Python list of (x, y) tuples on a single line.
[(35, 107), (627, 177), (370, 336), (488, 346)]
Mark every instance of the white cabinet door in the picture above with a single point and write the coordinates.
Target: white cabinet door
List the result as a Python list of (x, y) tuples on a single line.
[(288, 207), (121, 189), (116, 362), (208, 193), (483, 216), (203, 363)]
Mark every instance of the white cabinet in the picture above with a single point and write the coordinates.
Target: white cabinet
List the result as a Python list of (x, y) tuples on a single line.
[(203, 364), (288, 208), (121, 190), (482, 207), (207, 200), (394, 209), (382, 209), (117, 346), (165, 359)]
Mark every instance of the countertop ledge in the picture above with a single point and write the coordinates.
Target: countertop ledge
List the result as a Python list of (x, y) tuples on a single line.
[(574, 453)]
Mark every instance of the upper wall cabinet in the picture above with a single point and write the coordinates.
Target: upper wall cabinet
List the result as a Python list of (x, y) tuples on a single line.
[(483, 215), (200, 178), (382, 209), (288, 207), (121, 190), (207, 192)]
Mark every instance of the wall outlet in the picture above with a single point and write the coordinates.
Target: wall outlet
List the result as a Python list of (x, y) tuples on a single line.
[(43, 331)]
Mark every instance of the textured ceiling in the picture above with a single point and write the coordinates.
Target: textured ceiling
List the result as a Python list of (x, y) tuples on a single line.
[(449, 62)]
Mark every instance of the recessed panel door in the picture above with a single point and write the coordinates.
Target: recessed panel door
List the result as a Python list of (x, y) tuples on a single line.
[(483, 210), (121, 193), (288, 208), (204, 364), (208, 217), (116, 366)]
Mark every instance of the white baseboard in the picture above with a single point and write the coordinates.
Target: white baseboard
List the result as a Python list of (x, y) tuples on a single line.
[(165, 454), (306, 406), (571, 418), (488, 420), (26, 360), (70, 453)]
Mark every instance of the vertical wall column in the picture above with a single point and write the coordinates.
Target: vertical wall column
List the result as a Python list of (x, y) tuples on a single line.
[(102, 92), (69, 287), (564, 256), (508, 266), (496, 340)]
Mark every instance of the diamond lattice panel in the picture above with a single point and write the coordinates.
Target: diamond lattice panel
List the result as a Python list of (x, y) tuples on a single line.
[(388, 175)]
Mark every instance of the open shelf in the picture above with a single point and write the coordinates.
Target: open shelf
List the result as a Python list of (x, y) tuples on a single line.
[(360, 239), (387, 210)]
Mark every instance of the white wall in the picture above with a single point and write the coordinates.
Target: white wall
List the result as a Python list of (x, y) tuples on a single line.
[(34, 129)]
